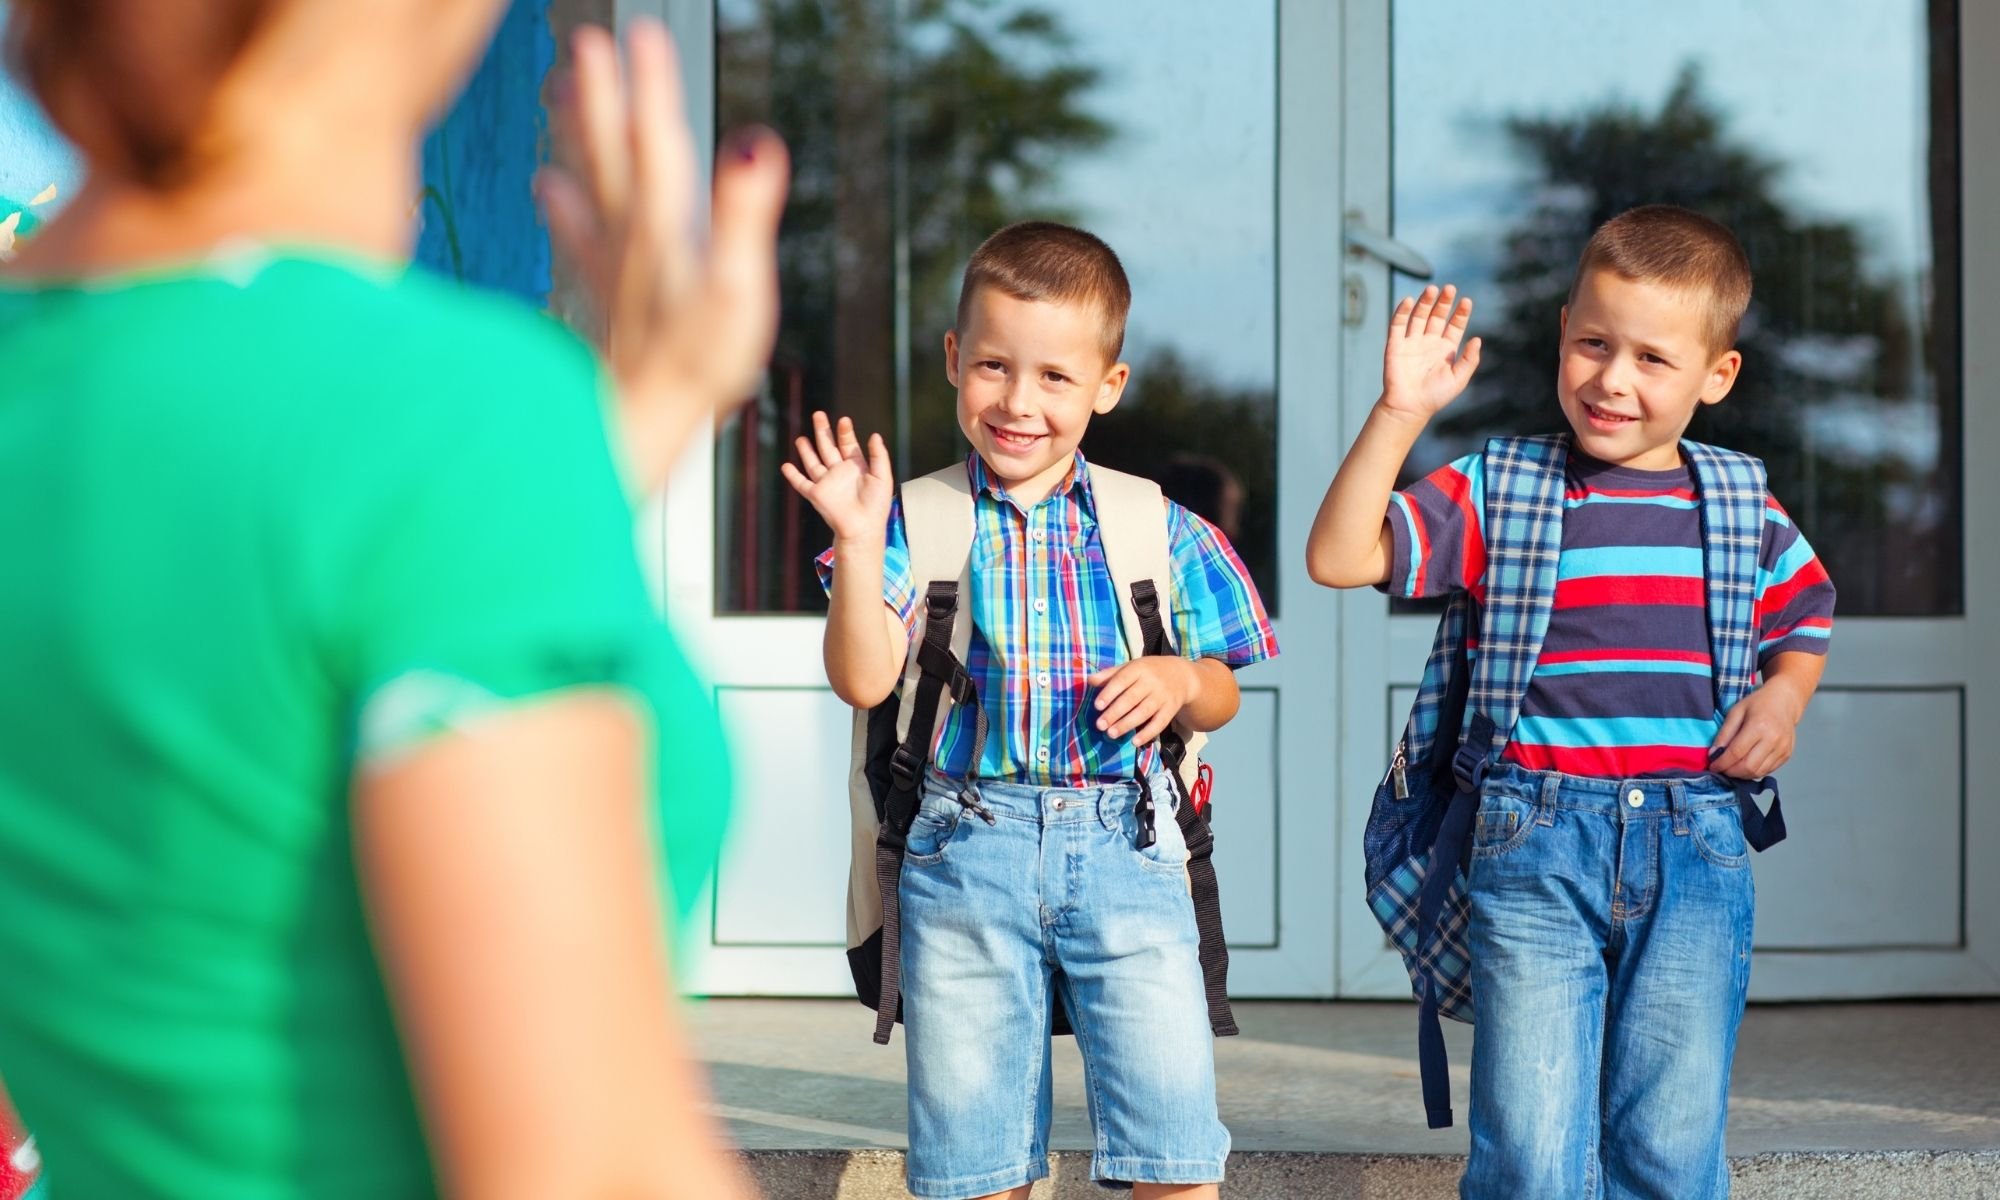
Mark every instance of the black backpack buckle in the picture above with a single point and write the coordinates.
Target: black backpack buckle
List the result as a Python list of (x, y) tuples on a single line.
[(904, 766)]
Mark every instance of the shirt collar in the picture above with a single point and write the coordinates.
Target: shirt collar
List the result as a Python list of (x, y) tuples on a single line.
[(1077, 482)]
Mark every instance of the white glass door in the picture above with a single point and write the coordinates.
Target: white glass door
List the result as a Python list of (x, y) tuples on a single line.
[(1196, 139), (1489, 139)]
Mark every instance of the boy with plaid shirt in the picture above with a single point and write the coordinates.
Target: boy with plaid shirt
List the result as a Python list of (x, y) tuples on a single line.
[(1037, 885), (1610, 899)]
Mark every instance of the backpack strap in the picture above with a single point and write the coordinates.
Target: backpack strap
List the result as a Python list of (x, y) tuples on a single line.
[(1132, 529), (938, 525), (1524, 481), (1734, 488), (1522, 514)]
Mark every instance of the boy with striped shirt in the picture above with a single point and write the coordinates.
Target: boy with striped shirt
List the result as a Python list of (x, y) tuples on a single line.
[(1047, 882), (1609, 892)]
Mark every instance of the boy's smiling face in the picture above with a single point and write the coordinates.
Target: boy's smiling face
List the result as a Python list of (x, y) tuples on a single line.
[(1635, 364), (1030, 374)]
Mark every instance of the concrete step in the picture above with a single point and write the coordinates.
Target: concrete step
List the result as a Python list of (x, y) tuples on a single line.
[(1277, 1175), (1852, 1100)]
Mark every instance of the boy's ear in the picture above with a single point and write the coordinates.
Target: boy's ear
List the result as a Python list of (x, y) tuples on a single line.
[(1562, 328), (951, 356), (1112, 390), (1722, 377)]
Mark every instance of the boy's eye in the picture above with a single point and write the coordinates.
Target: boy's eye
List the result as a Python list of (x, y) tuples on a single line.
[(991, 365), (1654, 358), (1055, 377), (1591, 343)]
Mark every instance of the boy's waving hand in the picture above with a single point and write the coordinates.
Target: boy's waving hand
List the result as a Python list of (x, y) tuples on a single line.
[(850, 492), (1423, 367)]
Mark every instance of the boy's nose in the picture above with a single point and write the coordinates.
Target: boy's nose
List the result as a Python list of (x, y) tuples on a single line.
[(1017, 402), (1613, 380)]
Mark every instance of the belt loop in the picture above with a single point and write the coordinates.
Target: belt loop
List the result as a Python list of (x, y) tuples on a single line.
[(1677, 801), (1545, 814)]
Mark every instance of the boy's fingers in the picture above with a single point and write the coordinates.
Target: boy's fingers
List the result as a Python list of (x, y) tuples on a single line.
[(1468, 361), (1134, 709), (879, 464), (808, 460), (1440, 314), (850, 445), (797, 479), (1461, 316), (1399, 321), (829, 451), (1152, 729), (1420, 315), (1730, 725), (1113, 687)]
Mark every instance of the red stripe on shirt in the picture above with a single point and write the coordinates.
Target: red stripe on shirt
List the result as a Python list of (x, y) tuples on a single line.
[(1611, 762), (1779, 596), (1457, 487), (1613, 654), (1629, 589)]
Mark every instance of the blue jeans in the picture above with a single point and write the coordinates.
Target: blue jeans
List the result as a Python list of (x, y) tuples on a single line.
[(1610, 938), (1053, 896)]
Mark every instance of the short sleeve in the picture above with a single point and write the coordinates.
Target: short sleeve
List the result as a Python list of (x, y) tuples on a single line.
[(481, 540), (1217, 612), (899, 590), (1795, 595), (1437, 536)]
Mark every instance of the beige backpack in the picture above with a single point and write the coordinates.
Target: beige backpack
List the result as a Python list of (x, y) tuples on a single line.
[(893, 741)]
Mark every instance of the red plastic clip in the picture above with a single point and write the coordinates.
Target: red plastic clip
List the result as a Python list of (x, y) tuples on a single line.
[(1204, 783)]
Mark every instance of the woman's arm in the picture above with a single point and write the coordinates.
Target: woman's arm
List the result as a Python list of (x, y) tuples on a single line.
[(512, 882)]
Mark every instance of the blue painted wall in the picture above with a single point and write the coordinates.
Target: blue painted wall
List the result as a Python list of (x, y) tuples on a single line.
[(479, 219)]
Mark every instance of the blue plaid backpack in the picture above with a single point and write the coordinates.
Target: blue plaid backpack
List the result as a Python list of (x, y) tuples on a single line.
[(1417, 841)]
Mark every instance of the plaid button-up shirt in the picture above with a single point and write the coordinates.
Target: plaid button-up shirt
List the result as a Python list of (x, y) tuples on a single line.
[(1045, 618)]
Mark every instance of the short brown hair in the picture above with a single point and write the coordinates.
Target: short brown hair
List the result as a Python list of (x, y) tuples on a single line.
[(150, 68), (1678, 247), (1044, 260)]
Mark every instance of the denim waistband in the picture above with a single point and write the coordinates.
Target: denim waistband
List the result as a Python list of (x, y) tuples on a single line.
[(1105, 800), (1653, 795)]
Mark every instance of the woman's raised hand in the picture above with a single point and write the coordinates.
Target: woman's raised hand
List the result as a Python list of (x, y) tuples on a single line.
[(686, 327)]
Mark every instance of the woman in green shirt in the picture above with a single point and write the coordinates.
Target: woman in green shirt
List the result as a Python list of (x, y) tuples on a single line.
[(333, 714)]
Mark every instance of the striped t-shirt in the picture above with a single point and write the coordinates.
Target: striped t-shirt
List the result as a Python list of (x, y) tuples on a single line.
[(1625, 685)]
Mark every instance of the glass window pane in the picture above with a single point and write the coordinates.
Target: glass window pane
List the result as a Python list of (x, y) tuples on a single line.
[(1834, 158), (920, 126)]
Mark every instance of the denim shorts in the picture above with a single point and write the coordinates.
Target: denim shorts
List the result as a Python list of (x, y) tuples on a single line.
[(1610, 933), (1048, 893)]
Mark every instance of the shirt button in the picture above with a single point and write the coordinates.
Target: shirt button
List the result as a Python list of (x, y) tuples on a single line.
[(1041, 606), (1042, 680), (1042, 755), (1635, 798), (1040, 535)]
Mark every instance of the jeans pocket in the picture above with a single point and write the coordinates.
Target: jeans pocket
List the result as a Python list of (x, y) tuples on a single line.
[(1169, 852), (1718, 835), (932, 831), (1503, 825)]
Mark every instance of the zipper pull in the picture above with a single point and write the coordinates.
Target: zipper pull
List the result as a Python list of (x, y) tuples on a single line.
[(1398, 773)]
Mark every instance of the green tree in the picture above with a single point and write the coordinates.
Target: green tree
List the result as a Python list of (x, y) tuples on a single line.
[(1826, 333), (917, 128)]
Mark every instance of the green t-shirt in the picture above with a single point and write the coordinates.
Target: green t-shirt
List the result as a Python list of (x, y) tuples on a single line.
[(261, 520)]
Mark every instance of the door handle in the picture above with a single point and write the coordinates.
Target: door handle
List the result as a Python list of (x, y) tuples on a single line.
[(1404, 257)]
